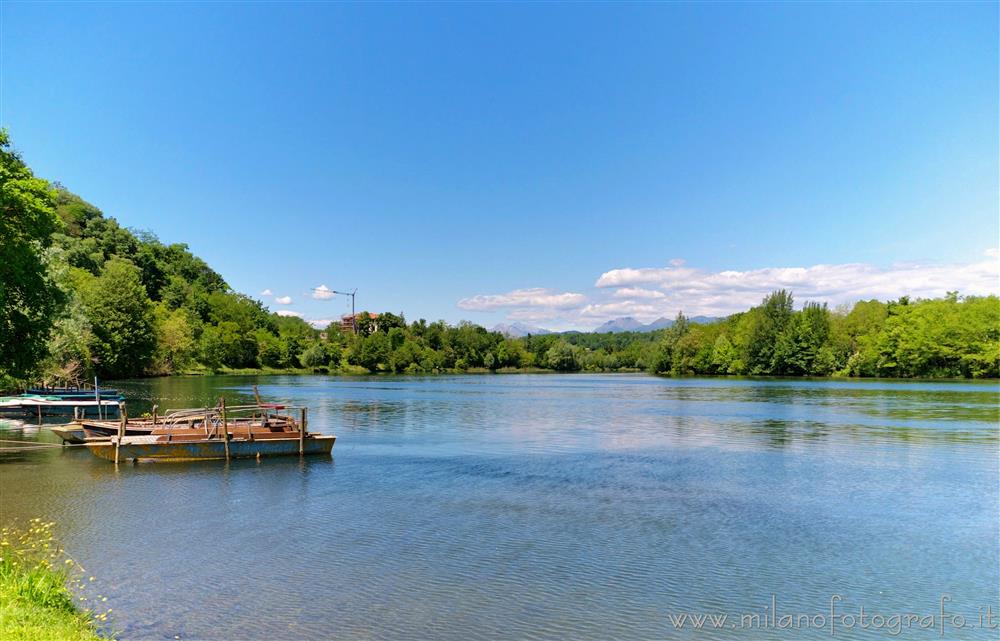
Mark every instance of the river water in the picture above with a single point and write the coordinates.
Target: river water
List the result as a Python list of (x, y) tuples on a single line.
[(548, 507)]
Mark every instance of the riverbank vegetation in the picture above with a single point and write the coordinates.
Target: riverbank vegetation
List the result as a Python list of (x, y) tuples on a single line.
[(83, 296), (36, 602), (947, 337)]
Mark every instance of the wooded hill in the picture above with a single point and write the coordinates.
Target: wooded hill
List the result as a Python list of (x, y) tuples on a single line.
[(80, 295)]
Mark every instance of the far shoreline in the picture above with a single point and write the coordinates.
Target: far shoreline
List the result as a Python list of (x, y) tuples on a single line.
[(508, 371)]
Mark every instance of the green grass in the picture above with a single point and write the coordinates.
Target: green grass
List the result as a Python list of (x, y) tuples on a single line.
[(42, 593)]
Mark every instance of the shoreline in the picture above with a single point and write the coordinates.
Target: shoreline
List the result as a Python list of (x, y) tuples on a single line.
[(508, 371), (358, 372)]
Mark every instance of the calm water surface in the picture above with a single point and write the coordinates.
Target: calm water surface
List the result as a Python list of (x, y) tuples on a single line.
[(544, 507)]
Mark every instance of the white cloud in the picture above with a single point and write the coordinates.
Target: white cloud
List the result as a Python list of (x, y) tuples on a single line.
[(638, 292), (283, 300), (647, 293), (617, 309), (519, 298), (628, 276), (288, 312), (322, 293), (267, 292), (698, 291)]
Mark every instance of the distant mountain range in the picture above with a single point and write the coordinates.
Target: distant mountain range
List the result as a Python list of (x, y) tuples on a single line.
[(629, 324), (623, 324), (517, 330)]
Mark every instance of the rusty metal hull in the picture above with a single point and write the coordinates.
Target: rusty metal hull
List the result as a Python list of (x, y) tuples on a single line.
[(149, 448)]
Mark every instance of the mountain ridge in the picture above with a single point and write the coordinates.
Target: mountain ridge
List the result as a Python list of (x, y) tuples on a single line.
[(630, 324), (613, 326)]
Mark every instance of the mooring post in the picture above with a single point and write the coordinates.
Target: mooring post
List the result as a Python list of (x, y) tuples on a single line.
[(154, 414), (122, 418), (263, 410), (302, 432), (39, 414), (225, 425)]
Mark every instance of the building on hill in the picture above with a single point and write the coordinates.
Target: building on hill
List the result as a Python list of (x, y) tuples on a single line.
[(349, 322)]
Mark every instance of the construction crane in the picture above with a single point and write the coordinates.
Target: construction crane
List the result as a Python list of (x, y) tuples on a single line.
[(354, 317)]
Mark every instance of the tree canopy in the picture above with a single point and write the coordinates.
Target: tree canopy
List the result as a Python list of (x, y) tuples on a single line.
[(29, 299)]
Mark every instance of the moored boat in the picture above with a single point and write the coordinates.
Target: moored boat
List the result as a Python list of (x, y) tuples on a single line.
[(33, 404), (76, 393), (207, 433), (195, 423), (172, 448)]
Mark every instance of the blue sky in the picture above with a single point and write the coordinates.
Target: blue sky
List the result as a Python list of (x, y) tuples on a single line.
[(558, 164)]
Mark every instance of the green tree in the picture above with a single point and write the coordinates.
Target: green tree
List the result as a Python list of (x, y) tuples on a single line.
[(798, 346), (563, 357), (773, 318), (406, 357), (370, 351), (175, 340), (853, 336), (269, 348), (121, 316), (663, 358), (315, 356), (982, 323), (29, 299), (388, 321), (69, 360), (725, 356), (334, 353), (226, 345)]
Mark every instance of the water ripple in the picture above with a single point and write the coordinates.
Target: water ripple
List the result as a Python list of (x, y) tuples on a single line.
[(545, 507)]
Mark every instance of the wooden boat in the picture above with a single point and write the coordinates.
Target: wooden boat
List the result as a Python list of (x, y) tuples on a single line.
[(197, 447), (207, 433), (193, 423)]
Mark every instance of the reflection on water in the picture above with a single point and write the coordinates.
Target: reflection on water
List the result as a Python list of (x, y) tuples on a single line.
[(540, 507)]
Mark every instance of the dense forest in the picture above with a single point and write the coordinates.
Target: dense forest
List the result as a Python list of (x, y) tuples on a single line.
[(82, 296)]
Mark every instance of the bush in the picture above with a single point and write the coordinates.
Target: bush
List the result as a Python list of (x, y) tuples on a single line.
[(314, 356)]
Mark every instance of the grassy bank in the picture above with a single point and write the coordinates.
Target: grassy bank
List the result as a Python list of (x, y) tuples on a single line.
[(41, 591)]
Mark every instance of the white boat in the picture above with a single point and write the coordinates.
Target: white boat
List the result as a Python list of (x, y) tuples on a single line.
[(54, 405)]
